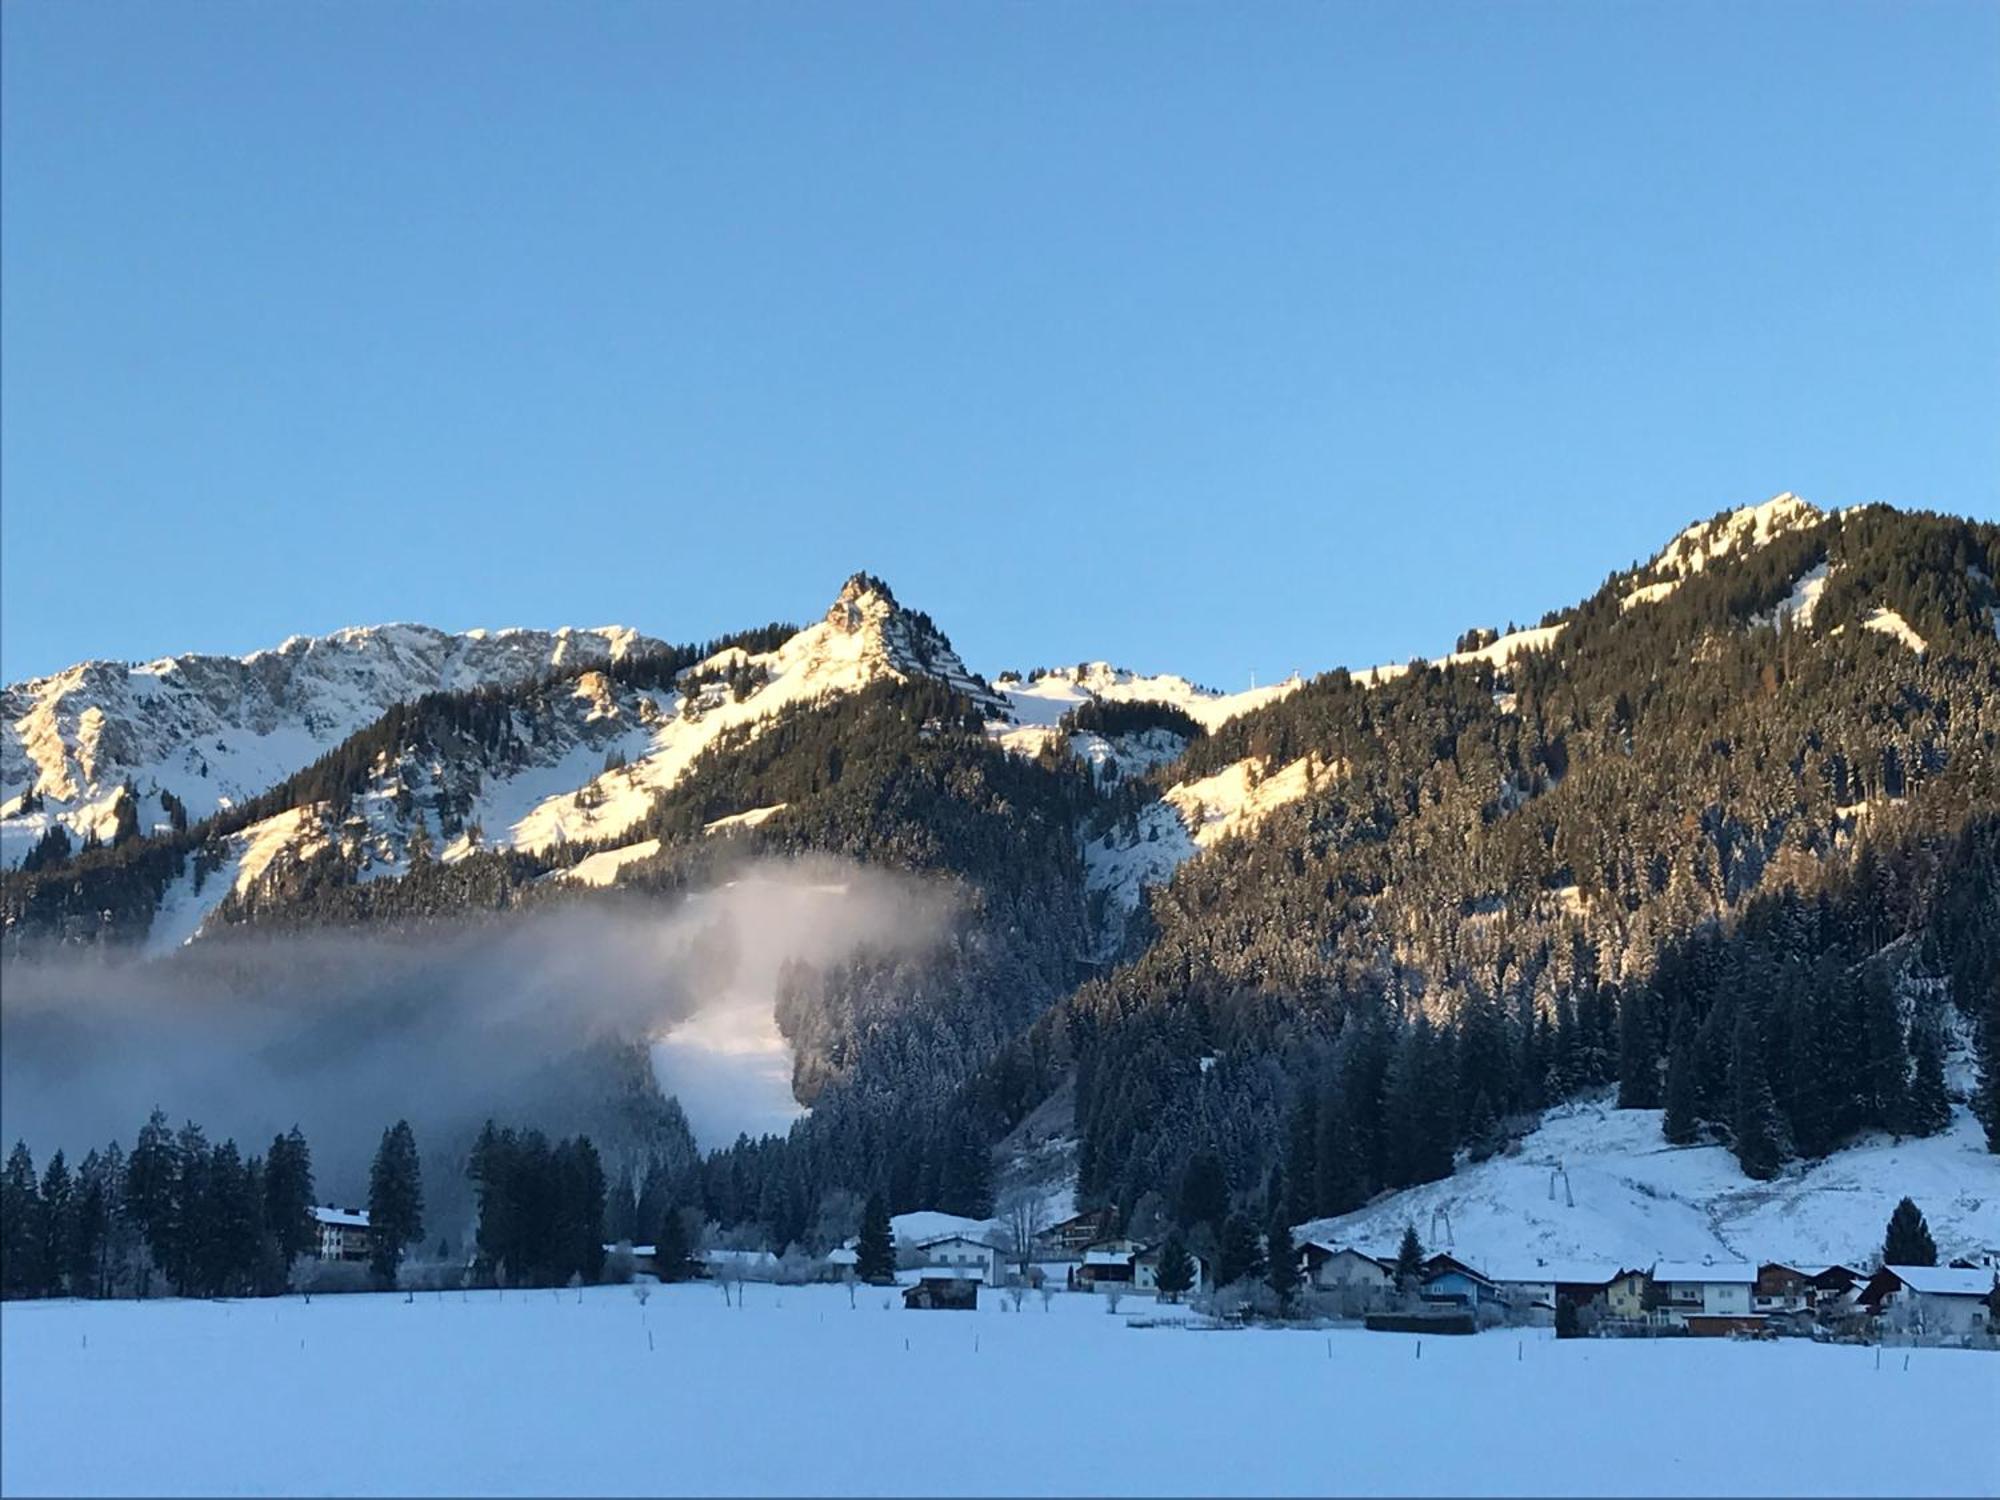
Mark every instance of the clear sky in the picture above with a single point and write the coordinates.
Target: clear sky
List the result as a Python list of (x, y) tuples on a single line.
[(1203, 337)]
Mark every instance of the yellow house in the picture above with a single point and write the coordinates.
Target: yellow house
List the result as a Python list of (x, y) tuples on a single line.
[(1626, 1296)]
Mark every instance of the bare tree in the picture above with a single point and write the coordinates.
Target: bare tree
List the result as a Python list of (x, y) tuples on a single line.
[(1113, 1295), (1021, 1220)]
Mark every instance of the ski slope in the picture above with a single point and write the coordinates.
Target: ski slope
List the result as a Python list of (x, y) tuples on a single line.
[(1631, 1198)]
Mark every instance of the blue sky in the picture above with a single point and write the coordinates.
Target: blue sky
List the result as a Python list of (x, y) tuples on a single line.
[(1209, 338)]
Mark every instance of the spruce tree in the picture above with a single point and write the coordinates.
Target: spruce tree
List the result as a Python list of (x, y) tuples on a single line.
[(875, 1252), (1681, 1123), (1281, 1270), (1176, 1272), (1204, 1192), (1885, 1065), (1989, 1066), (1759, 1134), (1302, 1157), (1409, 1260), (1242, 1255), (1928, 1109), (395, 1202), (1638, 1051), (21, 1272), (1908, 1241), (288, 1196), (150, 1174), (673, 1253), (58, 1223)]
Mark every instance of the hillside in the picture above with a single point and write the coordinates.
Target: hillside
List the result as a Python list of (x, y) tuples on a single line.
[(1723, 835)]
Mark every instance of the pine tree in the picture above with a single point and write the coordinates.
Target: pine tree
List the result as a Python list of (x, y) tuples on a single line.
[(875, 1252), (1928, 1109), (1281, 1271), (1682, 1122), (395, 1202), (1908, 1241), (1176, 1272), (1409, 1260)]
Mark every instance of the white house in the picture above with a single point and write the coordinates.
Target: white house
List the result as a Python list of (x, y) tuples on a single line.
[(343, 1232), (1716, 1289), (962, 1252), (1932, 1300), (1146, 1270)]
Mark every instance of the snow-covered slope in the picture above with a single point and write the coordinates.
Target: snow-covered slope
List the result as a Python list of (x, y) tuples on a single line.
[(864, 638), (1047, 696), (216, 730), (1601, 1184)]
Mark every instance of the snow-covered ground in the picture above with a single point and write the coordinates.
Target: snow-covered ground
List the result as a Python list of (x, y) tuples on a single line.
[(1632, 1198), (796, 1392)]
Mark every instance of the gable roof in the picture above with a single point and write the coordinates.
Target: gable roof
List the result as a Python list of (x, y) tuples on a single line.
[(352, 1218), (1721, 1272), (1556, 1272), (952, 1239), (1943, 1281)]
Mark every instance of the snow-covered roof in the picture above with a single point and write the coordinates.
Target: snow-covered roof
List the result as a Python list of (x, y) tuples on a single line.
[(1729, 1272), (842, 1257), (952, 1239), (1107, 1257), (352, 1218), (739, 1258), (1943, 1281), (952, 1273), (1531, 1273)]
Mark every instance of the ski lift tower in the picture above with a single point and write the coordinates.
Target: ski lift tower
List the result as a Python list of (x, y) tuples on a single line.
[(1556, 1171)]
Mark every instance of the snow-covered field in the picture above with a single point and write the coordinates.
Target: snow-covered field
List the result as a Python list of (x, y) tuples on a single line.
[(797, 1393)]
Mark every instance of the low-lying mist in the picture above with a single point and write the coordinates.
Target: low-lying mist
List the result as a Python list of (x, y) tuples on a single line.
[(344, 1033)]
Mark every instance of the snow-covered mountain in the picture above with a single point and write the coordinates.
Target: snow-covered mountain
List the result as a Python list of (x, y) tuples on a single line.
[(213, 731)]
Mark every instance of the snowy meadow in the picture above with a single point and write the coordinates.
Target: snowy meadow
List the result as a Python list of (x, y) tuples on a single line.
[(796, 1391)]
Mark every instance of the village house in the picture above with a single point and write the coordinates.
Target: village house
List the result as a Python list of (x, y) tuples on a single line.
[(1107, 1263), (1075, 1234), (1935, 1301), (1146, 1270), (1706, 1297), (1779, 1288), (1342, 1268), (944, 1289), (1533, 1288), (1629, 1295), (1832, 1287), (961, 1251), (1448, 1281), (343, 1233)]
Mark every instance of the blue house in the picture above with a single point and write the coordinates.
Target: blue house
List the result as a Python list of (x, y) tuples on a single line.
[(1450, 1282)]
